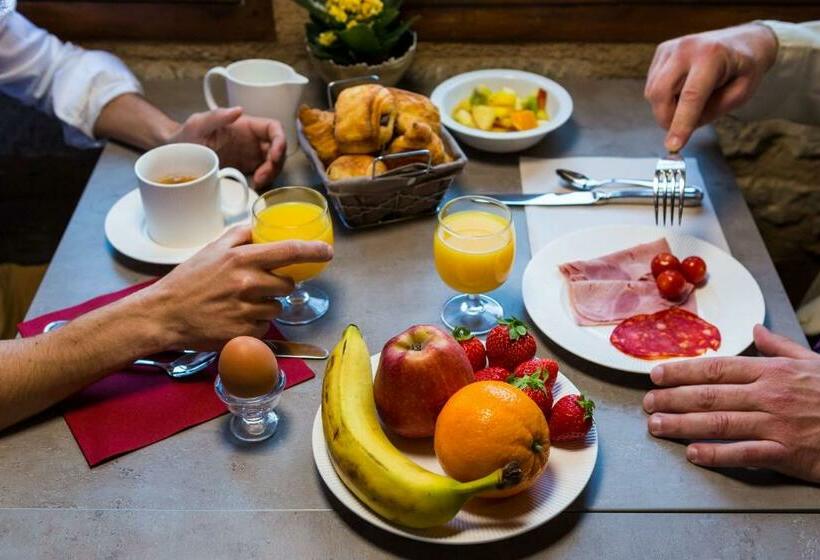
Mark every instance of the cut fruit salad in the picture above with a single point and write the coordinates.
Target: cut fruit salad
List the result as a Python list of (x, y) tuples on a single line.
[(502, 110)]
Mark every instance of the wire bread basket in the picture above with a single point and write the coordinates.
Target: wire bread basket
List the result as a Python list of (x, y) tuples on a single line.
[(409, 191)]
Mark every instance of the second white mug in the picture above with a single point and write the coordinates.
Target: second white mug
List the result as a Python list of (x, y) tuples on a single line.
[(263, 88), (188, 213)]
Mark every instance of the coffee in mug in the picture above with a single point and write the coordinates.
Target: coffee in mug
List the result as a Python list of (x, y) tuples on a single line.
[(191, 212), (176, 179)]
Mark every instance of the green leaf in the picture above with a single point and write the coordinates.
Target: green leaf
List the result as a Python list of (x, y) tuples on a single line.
[(361, 39), (384, 20)]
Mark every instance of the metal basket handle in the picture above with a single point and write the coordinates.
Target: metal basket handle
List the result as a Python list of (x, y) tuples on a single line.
[(410, 153), (331, 86)]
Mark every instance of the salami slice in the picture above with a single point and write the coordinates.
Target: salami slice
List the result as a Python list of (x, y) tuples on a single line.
[(670, 333)]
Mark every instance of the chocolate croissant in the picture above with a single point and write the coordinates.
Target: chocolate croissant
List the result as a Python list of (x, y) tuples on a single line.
[(418, 137), (365, 116), (345, 167), (413, 107), (317, 126)]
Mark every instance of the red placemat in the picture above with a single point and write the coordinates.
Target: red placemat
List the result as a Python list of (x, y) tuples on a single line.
[(127, 410)]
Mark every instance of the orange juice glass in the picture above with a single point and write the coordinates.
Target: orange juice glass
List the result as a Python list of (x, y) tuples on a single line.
[(474, 250), (296, 213)]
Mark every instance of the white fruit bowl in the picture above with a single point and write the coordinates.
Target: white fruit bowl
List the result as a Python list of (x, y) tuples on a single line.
[(448, 93)]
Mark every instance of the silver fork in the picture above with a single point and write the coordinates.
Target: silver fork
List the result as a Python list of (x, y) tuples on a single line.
[(669, 186)]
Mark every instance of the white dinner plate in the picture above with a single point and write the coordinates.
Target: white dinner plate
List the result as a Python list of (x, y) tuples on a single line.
[(730, 299), (125, 227), (567, 473)]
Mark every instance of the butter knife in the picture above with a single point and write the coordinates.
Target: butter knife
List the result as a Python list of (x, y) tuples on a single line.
[(288, 349), (693, 196)]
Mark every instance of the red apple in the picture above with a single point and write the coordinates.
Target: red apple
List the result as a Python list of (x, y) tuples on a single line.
[(419, 370)]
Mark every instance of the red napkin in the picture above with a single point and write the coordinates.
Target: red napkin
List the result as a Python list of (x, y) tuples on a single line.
[(127, 410)]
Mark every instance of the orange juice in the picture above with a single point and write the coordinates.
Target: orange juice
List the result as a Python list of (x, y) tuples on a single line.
[(474, 251), (294, 220)]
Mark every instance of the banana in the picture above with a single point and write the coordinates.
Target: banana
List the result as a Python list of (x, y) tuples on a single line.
[(370, 466)]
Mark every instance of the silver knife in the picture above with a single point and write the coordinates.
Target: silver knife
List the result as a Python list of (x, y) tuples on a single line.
[(288, 349), (693, 196)]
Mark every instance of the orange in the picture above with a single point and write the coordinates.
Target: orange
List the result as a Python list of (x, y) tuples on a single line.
[(484, 426)]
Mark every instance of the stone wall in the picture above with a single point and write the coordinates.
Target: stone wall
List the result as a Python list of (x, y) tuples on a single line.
[(775, 162)]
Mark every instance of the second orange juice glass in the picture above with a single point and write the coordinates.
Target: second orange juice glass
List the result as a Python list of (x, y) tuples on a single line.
[(296, 213), (474, 249)]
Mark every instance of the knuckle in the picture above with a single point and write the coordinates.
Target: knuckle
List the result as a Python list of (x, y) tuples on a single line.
[(288, 250), (713, 371), (690, 95), (718, 425), (706, 397), (244, 283)]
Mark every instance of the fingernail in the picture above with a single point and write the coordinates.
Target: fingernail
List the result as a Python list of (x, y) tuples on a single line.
[(692, 454), (329, 252), (674, 143), (655, 424), (649, 402), (656, 374)]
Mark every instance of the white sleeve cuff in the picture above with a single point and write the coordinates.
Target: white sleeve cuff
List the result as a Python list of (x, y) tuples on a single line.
[(85, 84)]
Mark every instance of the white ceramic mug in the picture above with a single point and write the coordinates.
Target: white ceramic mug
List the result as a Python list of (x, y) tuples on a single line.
[(191, 213), (263, 88)]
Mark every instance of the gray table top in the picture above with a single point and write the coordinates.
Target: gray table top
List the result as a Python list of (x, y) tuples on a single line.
[(201, 492)]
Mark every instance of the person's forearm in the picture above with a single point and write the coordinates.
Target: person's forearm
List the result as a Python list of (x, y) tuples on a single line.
[(38, 372), (131, 119)]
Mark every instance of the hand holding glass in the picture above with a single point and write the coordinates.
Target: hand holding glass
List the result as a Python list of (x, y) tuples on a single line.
[(296, 213)]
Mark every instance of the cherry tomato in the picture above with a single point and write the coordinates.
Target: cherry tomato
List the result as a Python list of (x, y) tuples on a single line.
[(664, 261), (693, 269), (671, 284)]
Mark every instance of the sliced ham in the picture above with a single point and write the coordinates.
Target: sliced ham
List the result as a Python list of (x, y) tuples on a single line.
[(604, 302), (610, 288)]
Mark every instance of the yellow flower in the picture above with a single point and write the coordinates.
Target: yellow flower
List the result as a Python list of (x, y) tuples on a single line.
[(327, 38), (352, 23), (336, 12), (350, 10), (370, 8)]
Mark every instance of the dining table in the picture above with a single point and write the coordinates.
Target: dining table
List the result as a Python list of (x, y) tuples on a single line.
[(202, 494)]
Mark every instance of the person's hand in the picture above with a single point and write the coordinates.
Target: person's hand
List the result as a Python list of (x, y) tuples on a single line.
[(694, 79), (251, 144), (766, 410), (226, 289)]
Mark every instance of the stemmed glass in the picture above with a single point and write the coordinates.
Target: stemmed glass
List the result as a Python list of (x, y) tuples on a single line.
[(474, 249), (296, 213)]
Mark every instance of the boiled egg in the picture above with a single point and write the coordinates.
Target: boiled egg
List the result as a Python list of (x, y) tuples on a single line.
[(248, 367)]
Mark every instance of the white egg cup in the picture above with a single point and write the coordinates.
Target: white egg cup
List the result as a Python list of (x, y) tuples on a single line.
[(252, 419)]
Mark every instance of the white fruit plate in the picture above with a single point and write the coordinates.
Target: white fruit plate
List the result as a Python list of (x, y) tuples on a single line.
[(481, 520)]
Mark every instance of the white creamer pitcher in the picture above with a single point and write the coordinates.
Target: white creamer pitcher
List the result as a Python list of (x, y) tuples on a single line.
[(264, 88)]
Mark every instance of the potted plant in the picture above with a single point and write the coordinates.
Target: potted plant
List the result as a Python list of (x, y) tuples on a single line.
[(352, 38)]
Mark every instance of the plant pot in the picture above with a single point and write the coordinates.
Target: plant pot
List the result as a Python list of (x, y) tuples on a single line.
[(390, 71)]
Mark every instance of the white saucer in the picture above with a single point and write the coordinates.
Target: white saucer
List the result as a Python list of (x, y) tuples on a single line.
[(125, 227)]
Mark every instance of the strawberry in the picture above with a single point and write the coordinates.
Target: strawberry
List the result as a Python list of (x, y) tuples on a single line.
[(545, 369), (492, 374), (474, 348), (509, 344), (533, 386), (571, 418)]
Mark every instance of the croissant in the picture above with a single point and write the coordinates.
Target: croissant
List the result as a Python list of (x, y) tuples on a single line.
[(365, 116), (413, 107), (345, 167), (418, 137), (317, 126)]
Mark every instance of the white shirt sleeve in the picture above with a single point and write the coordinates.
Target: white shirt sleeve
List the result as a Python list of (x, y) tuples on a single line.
[(791, 88), (59, 78)]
